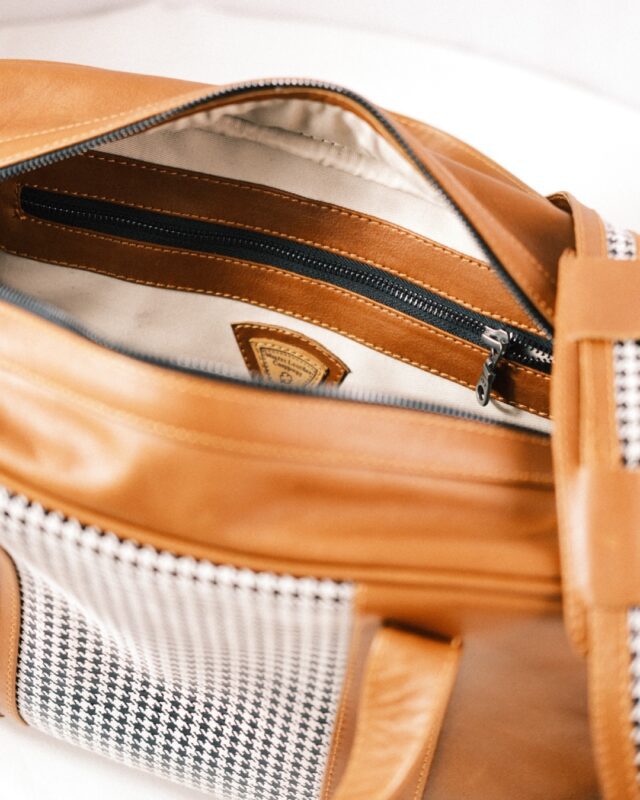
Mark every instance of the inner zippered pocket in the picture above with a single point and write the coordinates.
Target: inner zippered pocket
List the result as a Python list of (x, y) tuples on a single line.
[(375, 284), (113, 219)]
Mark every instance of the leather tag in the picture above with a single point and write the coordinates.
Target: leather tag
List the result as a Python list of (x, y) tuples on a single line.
[(287, 357)]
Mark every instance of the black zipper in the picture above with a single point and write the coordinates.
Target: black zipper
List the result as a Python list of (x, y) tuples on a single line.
[(195, 235), (273, 85)]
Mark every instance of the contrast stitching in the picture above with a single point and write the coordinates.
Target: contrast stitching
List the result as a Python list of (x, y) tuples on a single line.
[(318, 284), (292, 237), (302, 240), (245, 448), (248, 326), (342, 713), (443, 675), (10, 699), (298, 200), (138, 110)]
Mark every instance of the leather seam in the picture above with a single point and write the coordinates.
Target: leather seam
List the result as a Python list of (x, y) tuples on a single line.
[(523, 251), (12, 653), (271, 270), (435, 730), (244, 448), (127, 112), (427, 130), (299, 201), (346, 693), (325, 354), (299, 239), (625, 706)]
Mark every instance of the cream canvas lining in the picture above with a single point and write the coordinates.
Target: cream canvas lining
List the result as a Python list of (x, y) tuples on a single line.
[(312, 149)]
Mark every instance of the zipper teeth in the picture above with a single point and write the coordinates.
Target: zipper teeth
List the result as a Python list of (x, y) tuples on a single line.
[(527, 353), (217, 372), (239, 89)]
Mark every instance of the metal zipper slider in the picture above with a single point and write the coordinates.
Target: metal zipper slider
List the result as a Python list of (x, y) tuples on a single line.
[(497, 340)]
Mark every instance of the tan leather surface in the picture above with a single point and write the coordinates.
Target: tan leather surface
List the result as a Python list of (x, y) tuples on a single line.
[(365, 321), (600, 307), (404, 695), (568, 411), (526, 233), (611, 705), (9, 636), (119, 437), (598, 512), (460, 278), (461, 528), (46, 106), (517, 724)]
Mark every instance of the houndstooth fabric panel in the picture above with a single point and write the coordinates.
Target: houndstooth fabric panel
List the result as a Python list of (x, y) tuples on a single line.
[(621, 243), (621, 246), (626, 356), (222, 679), (634, 646)]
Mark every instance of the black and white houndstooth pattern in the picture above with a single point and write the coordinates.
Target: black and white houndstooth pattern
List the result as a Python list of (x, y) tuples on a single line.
[(621, 243), (626, 355), (225, 680), (621, 246)]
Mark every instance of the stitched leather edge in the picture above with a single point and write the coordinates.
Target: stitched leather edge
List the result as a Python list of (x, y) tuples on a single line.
[(10, 608)]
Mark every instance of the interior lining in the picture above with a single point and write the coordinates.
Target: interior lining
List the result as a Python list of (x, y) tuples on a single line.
[(312, 149)]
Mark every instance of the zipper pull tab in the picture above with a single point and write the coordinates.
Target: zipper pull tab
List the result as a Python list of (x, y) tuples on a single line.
[(497, 341)]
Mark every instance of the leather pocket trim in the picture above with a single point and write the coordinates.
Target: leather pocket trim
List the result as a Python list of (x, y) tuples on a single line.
[(381, 244), (362, 320), (10, 613)]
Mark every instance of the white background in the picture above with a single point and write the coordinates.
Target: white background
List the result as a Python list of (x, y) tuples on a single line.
[(550, 88)]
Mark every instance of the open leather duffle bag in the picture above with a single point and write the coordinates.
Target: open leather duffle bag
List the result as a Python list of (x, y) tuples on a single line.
[(319, 436)]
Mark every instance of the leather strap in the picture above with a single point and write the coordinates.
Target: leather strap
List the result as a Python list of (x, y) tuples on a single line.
[(597, 494), (403, 698)]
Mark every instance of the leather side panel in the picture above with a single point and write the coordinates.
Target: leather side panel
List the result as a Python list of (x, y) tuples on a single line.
[(404, 696), (9, 636), (47, 106)]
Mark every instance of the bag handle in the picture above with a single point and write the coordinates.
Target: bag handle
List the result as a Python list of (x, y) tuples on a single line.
[(598, 491), (403, 698)]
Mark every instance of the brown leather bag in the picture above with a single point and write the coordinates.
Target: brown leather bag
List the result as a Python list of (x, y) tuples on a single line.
[(281, 374)]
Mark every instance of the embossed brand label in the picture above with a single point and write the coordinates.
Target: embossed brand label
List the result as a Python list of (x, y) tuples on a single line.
[(287, 357)]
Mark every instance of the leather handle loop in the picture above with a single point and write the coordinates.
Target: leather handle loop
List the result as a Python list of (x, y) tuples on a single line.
[(403, 699)]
